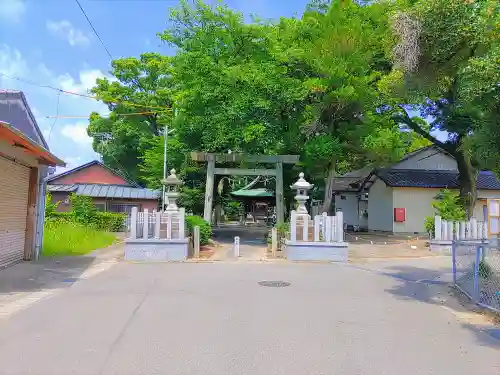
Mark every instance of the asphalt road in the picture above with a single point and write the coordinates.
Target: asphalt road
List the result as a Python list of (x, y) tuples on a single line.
[(216, 319)]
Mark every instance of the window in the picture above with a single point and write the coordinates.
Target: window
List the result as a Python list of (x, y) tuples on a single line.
[(123, 207), (100, 206)]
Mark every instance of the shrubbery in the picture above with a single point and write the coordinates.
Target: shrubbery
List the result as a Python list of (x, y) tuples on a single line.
[(205, 228), (85, 213), (448, 206)]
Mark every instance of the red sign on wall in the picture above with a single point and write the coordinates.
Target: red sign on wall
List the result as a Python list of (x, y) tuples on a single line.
[(399, 215)]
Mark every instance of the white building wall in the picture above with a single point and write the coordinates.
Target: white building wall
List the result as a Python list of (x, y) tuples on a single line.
[(432, 159), (380, 209), (349, 207), (417, 204)]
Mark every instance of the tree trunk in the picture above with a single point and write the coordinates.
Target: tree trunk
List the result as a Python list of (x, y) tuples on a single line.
[(327, 200), (467, 180)]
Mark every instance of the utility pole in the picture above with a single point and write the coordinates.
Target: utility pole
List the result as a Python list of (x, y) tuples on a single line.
[(165, 142)]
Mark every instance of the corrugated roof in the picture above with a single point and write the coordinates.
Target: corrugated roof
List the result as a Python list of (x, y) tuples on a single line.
[(63, 188), (486, 180), (261, 192), (107, 191)]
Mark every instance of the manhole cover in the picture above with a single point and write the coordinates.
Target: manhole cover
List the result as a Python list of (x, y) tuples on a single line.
[(275, 284)]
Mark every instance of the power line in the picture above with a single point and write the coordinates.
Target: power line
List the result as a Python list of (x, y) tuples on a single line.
[(93, 28), (100, 39), (110, 100), (102, 116), (57, 113)]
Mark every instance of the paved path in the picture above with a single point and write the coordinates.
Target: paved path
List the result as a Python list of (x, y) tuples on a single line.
[(215, 318)]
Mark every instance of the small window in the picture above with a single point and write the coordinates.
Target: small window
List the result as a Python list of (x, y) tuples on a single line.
[(343, 197), (100, 206)]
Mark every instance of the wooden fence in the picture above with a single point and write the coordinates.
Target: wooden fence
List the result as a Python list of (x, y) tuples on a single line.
[(322, 228), (459, 230), (157, 224)]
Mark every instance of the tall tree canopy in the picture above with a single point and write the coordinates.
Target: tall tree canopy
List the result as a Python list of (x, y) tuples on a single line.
[(445, 55), (333, 86)]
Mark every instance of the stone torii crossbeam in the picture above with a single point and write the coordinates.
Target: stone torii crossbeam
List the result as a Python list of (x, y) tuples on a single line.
[(277, 171)]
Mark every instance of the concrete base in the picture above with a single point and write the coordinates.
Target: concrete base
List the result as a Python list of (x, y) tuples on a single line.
[(444, 246), (317, 251), (440, 247), (159, 250)]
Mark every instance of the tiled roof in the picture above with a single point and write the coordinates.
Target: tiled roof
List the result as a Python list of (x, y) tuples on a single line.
[(434, 179), (14, 110), (89, 164), (106, 191), (351, 181), (341, 184)]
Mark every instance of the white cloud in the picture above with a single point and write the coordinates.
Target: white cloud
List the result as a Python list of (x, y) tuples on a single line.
[(71, 162), (65, 30), (86, 80), (11, 61), (68, 137), (12, 10), (77, 132)]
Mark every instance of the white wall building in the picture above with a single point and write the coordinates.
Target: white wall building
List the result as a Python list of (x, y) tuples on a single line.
[(400, 197)]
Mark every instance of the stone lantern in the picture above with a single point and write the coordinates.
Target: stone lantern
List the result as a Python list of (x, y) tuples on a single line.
[(172, 185), (302, 187)]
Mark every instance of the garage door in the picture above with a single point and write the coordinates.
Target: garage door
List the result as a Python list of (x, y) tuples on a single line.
[(14, 183)]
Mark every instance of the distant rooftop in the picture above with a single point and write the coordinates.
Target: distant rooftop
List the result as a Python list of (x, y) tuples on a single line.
[(106, 191)]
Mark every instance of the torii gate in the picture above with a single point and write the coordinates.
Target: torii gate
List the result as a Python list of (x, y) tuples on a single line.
[(277, 171)]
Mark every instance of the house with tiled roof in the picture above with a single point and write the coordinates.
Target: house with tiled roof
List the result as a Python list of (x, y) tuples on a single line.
[(25, 160), (109, 190), (398, 199)]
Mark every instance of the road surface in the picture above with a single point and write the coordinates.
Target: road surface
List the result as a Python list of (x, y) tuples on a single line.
[(215, 318)]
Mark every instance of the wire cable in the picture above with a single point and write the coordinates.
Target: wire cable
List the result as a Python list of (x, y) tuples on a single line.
[(103, 116), (55, 120), (110, 100), (93, 28)]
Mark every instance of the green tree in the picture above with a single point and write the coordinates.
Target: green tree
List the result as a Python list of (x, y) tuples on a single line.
[(439, 49), (141, 86)]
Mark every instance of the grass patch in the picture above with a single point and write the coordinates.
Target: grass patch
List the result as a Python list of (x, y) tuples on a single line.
[(68, 238)]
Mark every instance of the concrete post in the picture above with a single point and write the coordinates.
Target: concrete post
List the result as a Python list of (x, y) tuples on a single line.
[(182, 230), (316, 228), (437, 228), (196, 241), (293, 226), (236, 246), (274, 242), (157, 224), (133, 223), (145, 228)]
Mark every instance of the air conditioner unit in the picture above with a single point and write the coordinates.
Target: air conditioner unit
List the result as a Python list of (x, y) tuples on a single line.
[(363, 197)]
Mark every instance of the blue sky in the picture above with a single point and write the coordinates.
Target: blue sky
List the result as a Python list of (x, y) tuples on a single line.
[(50, 42)]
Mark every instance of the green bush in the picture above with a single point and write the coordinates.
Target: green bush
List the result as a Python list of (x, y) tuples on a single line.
[(485, 270), (448, 206), (84, 212), (283, 228), (50, 208), (109, 221), (64, 216), (205, 228)]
